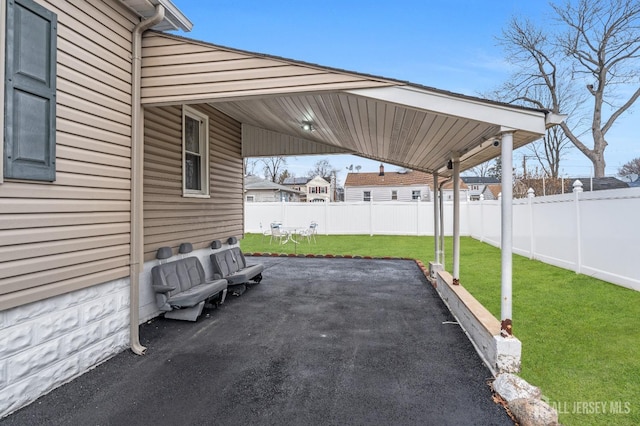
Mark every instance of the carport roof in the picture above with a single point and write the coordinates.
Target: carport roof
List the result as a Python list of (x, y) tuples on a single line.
[(384, 119)]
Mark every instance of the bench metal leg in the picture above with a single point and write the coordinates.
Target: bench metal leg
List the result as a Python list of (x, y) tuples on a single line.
[(187, 314)]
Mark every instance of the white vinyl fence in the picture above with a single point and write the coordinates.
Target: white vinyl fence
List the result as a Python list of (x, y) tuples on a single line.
[(593, 233)]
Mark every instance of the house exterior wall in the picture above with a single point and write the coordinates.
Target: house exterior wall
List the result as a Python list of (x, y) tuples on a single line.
[(64, 245), (178, 70), (383, 193), (171, 219), (318, 184), (265, 196), (74, 233)]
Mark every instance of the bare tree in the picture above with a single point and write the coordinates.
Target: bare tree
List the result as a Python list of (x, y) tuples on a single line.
[(249, 165), (495, 170), (630, 168), (273, 167), (550, 150), (599, 49), (322, 168), (481, 170)]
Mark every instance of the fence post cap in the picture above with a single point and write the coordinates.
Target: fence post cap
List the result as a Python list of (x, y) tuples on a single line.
[(531, 193), (577, 186)]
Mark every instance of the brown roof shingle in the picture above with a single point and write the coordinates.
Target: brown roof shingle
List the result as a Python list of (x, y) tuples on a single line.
[(409, 178), (389, 179)]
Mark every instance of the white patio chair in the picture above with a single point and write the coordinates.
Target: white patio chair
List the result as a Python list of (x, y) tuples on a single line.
[(277, 234), (310, 232), (265, 233)]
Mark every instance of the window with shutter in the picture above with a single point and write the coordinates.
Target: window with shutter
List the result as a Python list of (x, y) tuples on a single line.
[(30, 92)]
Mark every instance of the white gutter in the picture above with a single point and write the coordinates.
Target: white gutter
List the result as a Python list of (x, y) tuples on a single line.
[(137, 168)]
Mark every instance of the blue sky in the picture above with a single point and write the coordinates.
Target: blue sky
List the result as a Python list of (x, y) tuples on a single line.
[(447, 44)]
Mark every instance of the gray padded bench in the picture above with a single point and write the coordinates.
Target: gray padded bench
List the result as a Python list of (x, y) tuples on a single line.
[(231, 265), (181, 288)]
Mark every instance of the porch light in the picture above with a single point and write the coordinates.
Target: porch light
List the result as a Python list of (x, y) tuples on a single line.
[(307, 126)]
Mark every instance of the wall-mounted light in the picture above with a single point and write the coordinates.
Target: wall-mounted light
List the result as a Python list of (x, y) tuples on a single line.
[(307, 126), (450, 165)]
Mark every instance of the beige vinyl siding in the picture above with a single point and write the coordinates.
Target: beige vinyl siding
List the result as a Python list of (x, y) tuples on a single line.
[(257, 142), (74, 233), (181, 70), (383, 193), (170, 218)]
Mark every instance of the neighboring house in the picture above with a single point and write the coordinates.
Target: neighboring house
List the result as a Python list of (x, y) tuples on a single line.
[(477, 184), (261, 190), (492, 191), (407, 185), (447, 191), (319, 190), (388, 186), (316, 189)]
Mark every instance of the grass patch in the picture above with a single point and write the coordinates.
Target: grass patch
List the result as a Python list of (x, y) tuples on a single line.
[(580, 335)]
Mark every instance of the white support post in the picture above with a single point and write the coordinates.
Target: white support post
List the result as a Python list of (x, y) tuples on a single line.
[(441, 207), (436, 220), (456, 219), (506, 312)]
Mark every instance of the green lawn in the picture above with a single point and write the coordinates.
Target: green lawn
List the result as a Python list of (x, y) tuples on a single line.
[(580, 335)]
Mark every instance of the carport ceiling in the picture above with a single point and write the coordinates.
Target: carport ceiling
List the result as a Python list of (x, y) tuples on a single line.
[(352, 122)]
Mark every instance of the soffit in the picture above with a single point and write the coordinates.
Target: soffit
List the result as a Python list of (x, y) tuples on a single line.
[(376, 129)]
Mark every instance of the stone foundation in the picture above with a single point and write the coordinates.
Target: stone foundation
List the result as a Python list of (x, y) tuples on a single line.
[(48, 343)]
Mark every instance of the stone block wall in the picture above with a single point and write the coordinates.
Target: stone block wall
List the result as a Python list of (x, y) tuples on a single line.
[(48, 343)]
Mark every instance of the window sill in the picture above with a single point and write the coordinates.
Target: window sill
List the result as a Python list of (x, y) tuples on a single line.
[(190, 195)]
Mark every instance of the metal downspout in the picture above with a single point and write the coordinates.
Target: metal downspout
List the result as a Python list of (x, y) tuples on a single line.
[(137, 168)]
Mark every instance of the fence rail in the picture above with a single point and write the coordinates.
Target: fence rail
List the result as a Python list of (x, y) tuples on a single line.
[(593, 233)]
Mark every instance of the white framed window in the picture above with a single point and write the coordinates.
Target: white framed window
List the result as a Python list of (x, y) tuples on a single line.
[(394, 195), (195, 153), (415, 195), (366, 196)]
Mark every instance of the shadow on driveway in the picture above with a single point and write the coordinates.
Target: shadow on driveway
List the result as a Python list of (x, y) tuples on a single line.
[(318, 342)]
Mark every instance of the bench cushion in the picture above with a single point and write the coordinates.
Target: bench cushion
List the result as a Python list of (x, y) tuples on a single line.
[(196, 294), (231, 265), (245, 275), (181, 283)]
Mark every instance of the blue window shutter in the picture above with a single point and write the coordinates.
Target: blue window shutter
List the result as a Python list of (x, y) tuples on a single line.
[(30, 97)]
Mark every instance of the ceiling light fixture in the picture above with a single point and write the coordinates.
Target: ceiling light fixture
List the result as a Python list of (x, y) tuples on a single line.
[(307, 126)]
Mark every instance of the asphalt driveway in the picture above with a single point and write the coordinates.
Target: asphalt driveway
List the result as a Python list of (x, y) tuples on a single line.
[(318, 342)]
